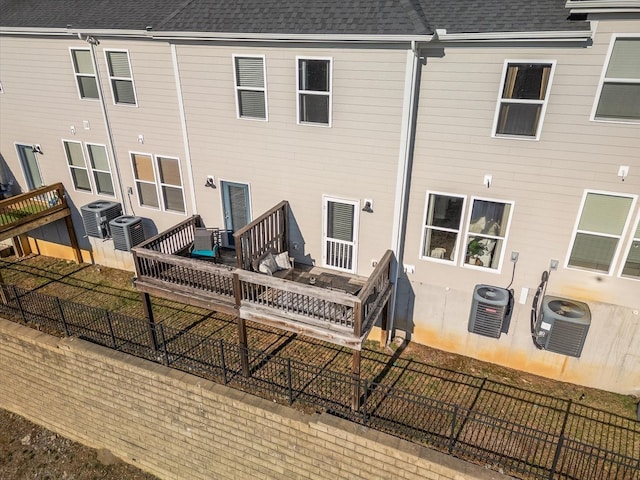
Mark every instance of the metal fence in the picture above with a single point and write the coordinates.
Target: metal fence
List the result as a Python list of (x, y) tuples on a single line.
[(505, 428)]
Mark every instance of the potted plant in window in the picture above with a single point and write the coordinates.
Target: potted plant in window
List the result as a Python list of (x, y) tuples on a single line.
[(475, 249)]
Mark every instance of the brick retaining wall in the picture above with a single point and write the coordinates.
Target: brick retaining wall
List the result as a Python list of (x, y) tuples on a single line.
[(178, 426)]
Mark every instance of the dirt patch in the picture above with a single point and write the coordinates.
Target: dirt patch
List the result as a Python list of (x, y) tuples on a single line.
[(28, 451)]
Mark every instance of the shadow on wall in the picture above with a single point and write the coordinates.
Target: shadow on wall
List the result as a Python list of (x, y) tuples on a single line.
[(405, 304), (297, 243), (8, 182)]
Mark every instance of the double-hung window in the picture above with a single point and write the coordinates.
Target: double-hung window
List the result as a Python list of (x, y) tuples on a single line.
[(314, 90), (251, 92), (441, 229), (120, 77), (619, 93), (77, 166), (631, 266), (85, 73), (170, 184), (599, 229), (100, 169), (487, 231), (158, 182), (523, 99)]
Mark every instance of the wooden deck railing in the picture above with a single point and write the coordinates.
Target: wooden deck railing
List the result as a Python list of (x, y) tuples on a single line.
[(374, 295), (298, 302), (29, 210), (174, 240), (268, 232), (184, 273)]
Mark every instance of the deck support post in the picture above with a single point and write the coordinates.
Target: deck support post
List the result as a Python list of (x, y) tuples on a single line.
[(242, 327), (384, 322), (355, 370), (73, 239), (148, 312)]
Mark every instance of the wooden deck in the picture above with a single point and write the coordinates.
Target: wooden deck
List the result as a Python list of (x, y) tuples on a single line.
[(334, 307), (23, 213)]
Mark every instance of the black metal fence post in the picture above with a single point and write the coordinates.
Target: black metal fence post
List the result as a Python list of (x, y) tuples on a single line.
[(63, 319), (17, 297), (163, 343), (289, 381), (556, 457), (113, 335), (454, 419), (223, 363)]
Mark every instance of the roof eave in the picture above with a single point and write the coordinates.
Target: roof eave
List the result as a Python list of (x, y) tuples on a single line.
[(571, 36), (603, 6), (221, 36)]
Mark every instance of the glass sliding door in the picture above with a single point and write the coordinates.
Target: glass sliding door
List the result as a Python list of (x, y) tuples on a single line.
[(30, 167)]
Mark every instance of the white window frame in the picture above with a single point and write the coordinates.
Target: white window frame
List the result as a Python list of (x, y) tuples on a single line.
[(252, 89), (501, 100), (17, 146), (356, 226), (160, 184), (73, 167), (627, 250), (93, 170), (136, 180), (467, 233), (77, 74), (112, 78), (619, 248), (314, 92), (460, 231), (603, 80)]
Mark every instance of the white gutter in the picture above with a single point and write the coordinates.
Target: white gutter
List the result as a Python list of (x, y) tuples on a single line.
[(403, 175), (213, 36), (619, 5), (545, 36), (183, 124)]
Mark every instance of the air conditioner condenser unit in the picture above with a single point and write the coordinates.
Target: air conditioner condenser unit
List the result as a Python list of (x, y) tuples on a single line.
[(562, 325), (489, 310), (97, 215), (127, 232)]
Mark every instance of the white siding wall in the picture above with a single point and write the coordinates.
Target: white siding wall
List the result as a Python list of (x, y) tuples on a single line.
[(355, 158), (546, 180)]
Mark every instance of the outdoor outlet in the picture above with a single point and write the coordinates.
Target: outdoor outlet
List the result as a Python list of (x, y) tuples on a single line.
[(514, 256), (553, 265), (129, 191)]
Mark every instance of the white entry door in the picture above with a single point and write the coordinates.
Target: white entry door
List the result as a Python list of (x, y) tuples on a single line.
[(340, 232)]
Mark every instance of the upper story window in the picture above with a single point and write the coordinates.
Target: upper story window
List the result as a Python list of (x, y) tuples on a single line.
[(314, 90), (443, 219), (487, 232), (523, 99), (631, 266), (158, 182), (251, 92), (598, 232), (120, 77), (85, 73), (619, 93)]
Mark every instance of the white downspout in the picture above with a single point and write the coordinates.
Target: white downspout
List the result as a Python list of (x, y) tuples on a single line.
[(183, 124), (409, 110), (92, 41)]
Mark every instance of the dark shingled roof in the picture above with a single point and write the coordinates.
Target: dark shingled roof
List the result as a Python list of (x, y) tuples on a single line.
[(357, 17)]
